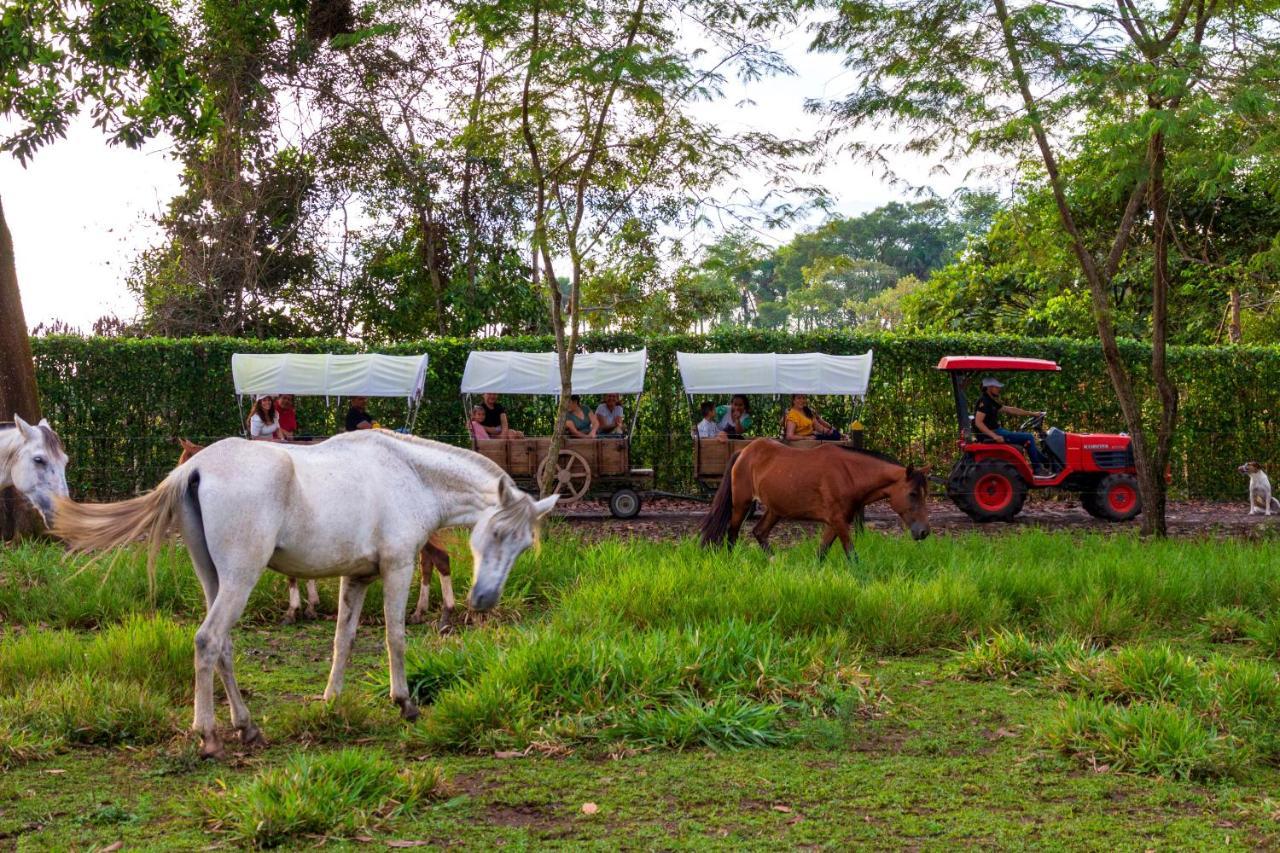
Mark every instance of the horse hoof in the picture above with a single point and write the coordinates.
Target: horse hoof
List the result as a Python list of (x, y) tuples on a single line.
[(289, 618), (211, 749), (251, 736), (311, 614), (417, 618), (408, 710)]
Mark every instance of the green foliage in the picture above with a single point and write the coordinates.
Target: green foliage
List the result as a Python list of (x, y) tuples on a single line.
[(334, 794), (119, 403), (126, 60)]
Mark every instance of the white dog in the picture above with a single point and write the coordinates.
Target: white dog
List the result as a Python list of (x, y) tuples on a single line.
[(1260, 499)]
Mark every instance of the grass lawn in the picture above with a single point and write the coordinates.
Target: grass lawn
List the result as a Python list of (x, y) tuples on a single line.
[(1038, 689)]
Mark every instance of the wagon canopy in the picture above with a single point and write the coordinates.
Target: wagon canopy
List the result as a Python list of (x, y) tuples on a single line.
[(508, 372), (329, 375), (774, 373)]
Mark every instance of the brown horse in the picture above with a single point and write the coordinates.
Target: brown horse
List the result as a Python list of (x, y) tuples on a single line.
[(434, 557), (829, 483)]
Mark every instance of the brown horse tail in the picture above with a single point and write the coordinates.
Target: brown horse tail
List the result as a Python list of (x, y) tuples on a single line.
[(150, 517), (715, 526)]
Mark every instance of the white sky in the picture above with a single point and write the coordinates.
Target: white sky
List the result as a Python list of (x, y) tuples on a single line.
[(82, 211)]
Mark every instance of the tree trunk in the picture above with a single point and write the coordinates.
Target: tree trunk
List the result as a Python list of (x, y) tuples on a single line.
[(17, 379), (1150, 485), (1151, 474), (1234, 333)]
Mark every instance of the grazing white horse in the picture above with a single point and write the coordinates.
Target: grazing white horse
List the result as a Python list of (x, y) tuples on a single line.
[(360, 506), (33, 462)]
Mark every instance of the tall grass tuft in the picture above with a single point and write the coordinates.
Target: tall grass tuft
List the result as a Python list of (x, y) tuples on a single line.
[(729, 722), (85, 710), (333, 794), (1266, 636), (152, 652), (1013, 655), (1229, 624), (346, 718), (1158, 740), (613, 676)]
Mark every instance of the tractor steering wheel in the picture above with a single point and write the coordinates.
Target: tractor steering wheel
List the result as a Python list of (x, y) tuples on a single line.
[(1035, 423)]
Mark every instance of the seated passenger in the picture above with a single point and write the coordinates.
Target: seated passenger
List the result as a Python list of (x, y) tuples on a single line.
[(804, 422), (495, 419), (735, 418), (478, 432), (358, 416), (288, 417), (609, 420), (577, 422), (264, 424), (707, 427)]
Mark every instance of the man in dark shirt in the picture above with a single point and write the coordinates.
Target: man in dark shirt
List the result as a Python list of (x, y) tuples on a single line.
[(986, 419), (357, 417), (495, 419)]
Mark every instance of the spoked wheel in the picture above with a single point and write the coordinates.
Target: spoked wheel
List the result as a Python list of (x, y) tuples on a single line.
[(1117, 497), (991, 491), (624, 503), (572, 475)]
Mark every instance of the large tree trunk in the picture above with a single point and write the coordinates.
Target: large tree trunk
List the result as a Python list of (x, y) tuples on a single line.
[(1234, 332), (17, 379)]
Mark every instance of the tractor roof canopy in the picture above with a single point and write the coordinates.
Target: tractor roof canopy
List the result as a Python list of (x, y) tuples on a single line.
[(965, 363)]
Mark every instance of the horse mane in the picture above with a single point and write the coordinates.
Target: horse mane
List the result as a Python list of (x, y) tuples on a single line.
[(874, 454), (51, 439), (918, 477), (460, 453)]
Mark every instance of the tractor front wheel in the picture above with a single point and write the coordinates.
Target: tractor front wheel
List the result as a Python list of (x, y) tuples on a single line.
[(991, 491), (1117, 497)]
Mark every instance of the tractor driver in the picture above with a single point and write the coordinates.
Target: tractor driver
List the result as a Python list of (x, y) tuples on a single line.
[(986, 417)]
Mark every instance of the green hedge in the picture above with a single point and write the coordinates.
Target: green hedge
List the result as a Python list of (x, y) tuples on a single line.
[(120, 403)]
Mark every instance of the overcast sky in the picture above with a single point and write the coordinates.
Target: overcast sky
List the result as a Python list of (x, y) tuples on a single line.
[(82, 210)]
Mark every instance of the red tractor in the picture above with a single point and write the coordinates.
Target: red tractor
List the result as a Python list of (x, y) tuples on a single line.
[(990, 481)]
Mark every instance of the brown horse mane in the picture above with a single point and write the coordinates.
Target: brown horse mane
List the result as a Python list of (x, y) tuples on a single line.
[(918, 477)]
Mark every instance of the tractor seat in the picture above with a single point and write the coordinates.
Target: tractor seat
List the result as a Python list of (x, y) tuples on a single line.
[(1055, 442), (977, 436)]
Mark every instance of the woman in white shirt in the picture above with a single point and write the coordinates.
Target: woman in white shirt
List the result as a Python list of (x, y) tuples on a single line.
[(264, 422)]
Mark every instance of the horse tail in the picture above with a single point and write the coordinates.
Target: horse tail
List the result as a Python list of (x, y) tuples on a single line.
[(150, 517), (715, 526)]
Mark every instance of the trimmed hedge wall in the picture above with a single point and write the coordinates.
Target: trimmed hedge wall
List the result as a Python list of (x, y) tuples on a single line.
[(119, 403)]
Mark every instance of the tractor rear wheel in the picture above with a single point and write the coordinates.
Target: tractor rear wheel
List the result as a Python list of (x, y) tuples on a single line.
[(991, 491), (1117, 497)]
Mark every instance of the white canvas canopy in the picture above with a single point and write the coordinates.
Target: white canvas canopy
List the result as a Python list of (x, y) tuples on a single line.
[(328, 375), (774, 373), (539, 373)]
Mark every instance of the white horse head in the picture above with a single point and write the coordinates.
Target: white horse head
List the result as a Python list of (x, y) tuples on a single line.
[(33, 462), (502, 534)]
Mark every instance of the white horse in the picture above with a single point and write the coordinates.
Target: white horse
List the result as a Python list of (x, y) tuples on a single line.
[(360, 506), (33, 462)]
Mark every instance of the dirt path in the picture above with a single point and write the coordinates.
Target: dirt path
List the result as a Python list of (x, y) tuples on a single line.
[(675, 519)]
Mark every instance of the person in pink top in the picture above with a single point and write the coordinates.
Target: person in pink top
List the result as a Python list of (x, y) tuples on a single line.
[(477, 424)]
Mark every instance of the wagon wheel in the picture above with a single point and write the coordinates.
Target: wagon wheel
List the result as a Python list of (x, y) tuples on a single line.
[(572, 475)]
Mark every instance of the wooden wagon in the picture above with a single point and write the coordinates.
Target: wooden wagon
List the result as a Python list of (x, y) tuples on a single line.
[(331, 376), (584, 468), (765, 374)]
